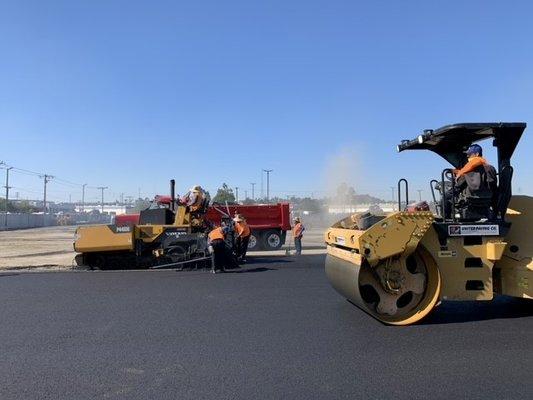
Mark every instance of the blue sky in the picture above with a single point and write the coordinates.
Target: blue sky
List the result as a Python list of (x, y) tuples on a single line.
[(130, 94)]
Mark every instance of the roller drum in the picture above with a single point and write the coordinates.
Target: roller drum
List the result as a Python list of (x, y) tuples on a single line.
[(409, 293)]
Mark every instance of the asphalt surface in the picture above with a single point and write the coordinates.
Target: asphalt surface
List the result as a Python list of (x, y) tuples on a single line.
[(275, 330)]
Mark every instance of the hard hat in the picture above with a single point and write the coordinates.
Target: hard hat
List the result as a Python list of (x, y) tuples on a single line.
[(474, 149)]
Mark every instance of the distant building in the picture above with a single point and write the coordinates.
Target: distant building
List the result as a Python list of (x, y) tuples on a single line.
[(116, 209)]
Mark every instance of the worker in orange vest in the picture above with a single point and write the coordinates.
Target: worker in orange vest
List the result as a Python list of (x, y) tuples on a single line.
[(217, 240), (297, 234), (242, 231)]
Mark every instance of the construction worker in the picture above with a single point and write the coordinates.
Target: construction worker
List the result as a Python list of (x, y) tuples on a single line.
[(476, 183), (217, 240), (194, 198), (297, 234), (242, 231), (475, 160)]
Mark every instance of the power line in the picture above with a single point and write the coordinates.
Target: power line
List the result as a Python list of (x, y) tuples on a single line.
[(26, 171)]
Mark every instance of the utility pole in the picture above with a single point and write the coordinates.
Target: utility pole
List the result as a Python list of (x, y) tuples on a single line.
[(83, 197), (253, 190), (419, 194), (47, 178), (237, 194), (268, 171), (7, 187), (102, 188)]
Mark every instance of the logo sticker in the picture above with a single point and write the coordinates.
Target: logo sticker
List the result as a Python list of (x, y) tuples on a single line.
[(473, 230), (340, 240), (447, 253), (121, 229)]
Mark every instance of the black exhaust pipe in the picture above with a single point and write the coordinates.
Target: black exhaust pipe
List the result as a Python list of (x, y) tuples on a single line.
[(172, 194)]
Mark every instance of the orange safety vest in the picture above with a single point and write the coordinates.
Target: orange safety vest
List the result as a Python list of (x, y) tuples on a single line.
[(216, 234), (471, 165), (242, 229), (297, 230)]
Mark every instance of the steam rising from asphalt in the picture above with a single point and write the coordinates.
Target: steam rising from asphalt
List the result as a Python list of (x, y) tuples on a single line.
[(341, 167)]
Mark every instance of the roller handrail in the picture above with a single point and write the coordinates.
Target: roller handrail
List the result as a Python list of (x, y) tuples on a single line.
[(444, 194), (400, 193), (432, 184)]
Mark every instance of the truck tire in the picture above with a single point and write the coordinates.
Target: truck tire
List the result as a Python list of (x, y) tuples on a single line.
[(255, 242), (272, 240)]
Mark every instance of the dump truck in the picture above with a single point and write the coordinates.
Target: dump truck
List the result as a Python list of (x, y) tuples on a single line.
[(398, 267), (269, 223)]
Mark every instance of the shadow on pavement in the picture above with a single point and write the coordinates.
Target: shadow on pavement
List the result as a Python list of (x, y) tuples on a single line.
[(502, 307), (246, 270), (266, 260)]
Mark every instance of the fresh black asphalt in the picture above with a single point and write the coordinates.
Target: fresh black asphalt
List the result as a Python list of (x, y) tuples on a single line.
[(275, 330)]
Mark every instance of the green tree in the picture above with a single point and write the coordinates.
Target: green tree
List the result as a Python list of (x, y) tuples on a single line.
[(224, 194), (25, 207)]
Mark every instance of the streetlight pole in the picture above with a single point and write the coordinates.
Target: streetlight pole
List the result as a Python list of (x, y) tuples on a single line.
[(268, 171), (253, 190), (392, 188), (237, 194), (262, 191), (102, 188), (419, 194)]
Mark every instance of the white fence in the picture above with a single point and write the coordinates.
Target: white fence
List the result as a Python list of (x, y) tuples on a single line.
[(23, 221)]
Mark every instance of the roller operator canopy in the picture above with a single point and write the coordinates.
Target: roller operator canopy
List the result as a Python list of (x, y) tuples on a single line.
[(451, 141)]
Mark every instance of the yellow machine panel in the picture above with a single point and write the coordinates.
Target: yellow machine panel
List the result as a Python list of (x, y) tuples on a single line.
[(516, 265), (103, 238)]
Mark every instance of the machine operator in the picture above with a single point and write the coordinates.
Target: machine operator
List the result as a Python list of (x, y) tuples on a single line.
[(476, 184), (194, 199)]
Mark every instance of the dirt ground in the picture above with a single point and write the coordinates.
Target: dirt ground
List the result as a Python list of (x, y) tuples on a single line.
[(51, 247), (39, 247)]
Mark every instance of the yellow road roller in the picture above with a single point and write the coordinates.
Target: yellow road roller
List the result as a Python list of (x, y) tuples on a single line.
[(470, 243)]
